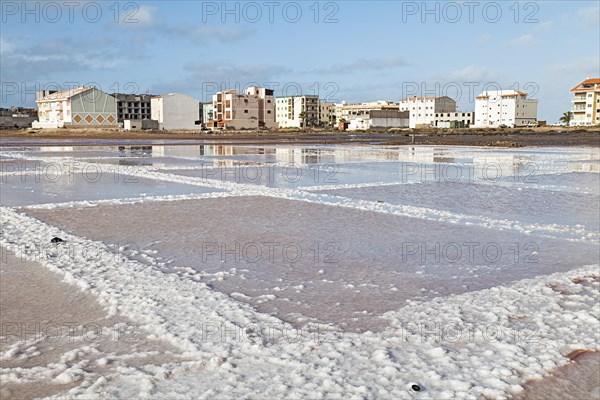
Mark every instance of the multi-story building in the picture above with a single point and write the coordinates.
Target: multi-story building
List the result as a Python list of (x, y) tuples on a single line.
[(495, 108), (253, 110), (326, 113), (207, 113), (17, 117), (133, 106), (348, 111), (458, 119), (176, 111), (80, 107), (297, 111), (586, 103), (422, 110)]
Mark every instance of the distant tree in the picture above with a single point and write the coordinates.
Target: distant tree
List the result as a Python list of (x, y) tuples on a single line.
[(567, 117)]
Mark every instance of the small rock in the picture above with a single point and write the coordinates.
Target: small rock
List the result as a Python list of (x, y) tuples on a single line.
[(57, 240), (415, 387)]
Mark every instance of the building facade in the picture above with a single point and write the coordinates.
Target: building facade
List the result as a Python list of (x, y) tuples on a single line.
[(207, 113), (80, 107), (176, 111), (297, 111), (17, 117), (326, 113), (459, 119), (348, 111), (133, 106), (422, 110), (253, 110), (380, 119), (586, 103), (495, 108)]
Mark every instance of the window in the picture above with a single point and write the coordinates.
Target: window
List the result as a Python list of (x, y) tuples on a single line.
[(245, 111), (269, 112)]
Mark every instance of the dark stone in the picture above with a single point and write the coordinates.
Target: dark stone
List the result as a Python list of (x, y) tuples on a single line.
[(416, 388), (56, 240)]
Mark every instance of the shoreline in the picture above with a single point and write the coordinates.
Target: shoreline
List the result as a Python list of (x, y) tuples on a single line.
[(511, 138)]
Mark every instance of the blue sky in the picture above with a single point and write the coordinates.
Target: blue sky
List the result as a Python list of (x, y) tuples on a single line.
[(350, 50)]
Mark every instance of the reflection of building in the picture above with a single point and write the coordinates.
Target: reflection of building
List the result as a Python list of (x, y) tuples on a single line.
[(423, 109), (176, 111), (81, 107), (253, 110), (586, 102), (133, 106), (297, 111), (504, 107), (459, 119)]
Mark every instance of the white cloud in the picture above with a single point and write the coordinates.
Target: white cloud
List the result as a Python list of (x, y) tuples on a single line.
[(590, 15), (364, 64), (484, 38), (582, 67), (143, 17), (5, 46), (523, 40), (471, 73), (203, 34), (544, 26)]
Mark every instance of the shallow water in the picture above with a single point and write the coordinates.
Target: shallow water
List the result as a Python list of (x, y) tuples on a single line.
[(346, 264)]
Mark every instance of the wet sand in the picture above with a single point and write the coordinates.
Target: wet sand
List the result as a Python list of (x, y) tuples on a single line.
[(49, 326), (578, 380), (518, 137)]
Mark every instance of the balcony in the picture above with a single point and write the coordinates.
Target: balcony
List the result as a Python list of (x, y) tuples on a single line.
[(577, 99)]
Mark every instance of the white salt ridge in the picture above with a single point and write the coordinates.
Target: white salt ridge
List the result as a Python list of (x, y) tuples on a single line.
[(577, 233), (341, 364)]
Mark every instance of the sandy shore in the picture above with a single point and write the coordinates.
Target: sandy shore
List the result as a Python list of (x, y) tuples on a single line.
[(547, 136), (55, 336)]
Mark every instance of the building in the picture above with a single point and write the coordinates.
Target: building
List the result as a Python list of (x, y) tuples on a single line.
[(458, 119), (253, 110), (17, 117), (133, 106), (495, 108), (358, 110), (380, 119), (297, 111), (326, 113), (140, 124), (586, 103), (423, 109), (207, 113), (176, 111), (80, 107)]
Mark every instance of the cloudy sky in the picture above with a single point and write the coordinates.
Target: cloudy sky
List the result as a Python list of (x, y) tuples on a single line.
[(343, 50)]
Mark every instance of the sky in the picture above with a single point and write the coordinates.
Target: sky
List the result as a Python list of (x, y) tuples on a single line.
[(350, 51)]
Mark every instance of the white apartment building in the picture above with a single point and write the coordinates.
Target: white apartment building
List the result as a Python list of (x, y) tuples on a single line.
[(175, 111), (494, 108), (253, 110), (586, 103), (297, 111), (423, 109)]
